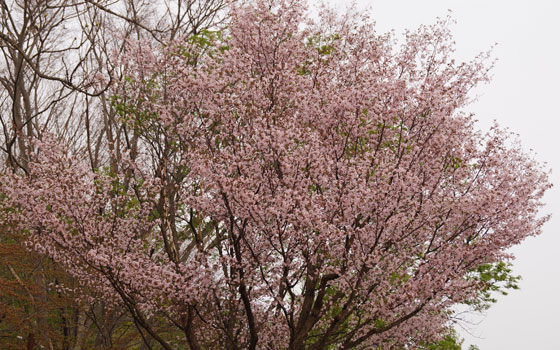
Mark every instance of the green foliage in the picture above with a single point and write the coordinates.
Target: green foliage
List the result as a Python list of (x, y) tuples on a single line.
[(324, 44), (450, 342), (205, 42), (496, 278)]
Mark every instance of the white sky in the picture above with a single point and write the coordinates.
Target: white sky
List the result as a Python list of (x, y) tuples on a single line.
[(523, 96)]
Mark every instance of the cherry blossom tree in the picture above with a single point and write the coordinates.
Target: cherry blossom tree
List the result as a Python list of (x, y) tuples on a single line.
[(296, 184)]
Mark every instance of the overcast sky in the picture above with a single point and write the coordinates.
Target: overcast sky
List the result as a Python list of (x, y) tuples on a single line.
[(523, 96)]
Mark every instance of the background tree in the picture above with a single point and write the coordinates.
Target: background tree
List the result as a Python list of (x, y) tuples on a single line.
[(52, 53)]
